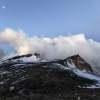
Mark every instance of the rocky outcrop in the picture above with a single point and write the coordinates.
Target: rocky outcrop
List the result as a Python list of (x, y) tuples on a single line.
[(80, 63), (77, 62), (17, 57)]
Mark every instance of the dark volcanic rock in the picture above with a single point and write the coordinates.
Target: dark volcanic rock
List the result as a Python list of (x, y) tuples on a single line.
[(17, 57), (29, 78)]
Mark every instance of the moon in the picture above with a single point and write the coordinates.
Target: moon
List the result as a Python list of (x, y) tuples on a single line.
[(3, 7)]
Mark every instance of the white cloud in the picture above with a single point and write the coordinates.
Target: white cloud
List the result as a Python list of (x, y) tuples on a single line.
[(53, 48)]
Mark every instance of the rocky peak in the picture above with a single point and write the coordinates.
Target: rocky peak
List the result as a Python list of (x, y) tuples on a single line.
[(79, 63), (37, 54)]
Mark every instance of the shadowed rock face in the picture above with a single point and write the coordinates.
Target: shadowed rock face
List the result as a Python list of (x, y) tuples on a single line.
[(43, 77)]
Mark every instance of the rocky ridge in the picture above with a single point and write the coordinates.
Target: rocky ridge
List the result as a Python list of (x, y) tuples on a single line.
[(31, 74)]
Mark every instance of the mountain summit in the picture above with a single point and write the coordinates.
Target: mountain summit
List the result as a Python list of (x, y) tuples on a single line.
[(29, 73), (77, 62)]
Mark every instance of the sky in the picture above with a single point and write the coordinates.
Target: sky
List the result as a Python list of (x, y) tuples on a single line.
[(51, 18)]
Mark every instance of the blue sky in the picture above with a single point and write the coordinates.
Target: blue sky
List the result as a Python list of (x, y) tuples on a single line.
[(51, 18)]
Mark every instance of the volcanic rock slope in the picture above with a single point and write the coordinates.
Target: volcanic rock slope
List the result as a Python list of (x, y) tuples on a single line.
[(29, 73)]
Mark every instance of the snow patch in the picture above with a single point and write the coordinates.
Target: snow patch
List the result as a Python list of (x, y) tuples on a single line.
[(83, 73), (4, 72), (11, 88), (0, 62), (30, 59), (86, 75), (71, 65), (2, 82), (97, 85), (16, 65)]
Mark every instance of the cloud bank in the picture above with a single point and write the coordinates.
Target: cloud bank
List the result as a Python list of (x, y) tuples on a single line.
[(53, 48)]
